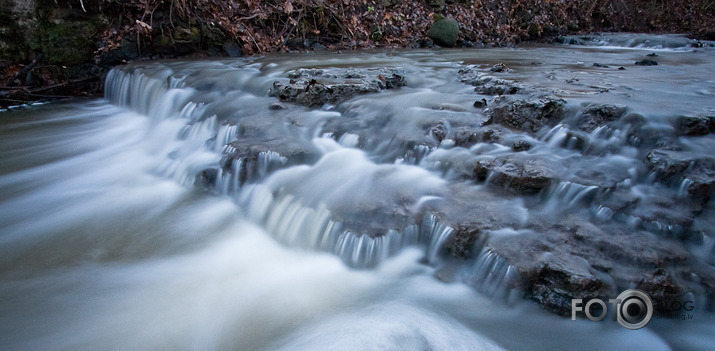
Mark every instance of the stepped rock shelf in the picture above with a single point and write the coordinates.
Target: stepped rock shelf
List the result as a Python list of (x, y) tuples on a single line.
[(567, 193)]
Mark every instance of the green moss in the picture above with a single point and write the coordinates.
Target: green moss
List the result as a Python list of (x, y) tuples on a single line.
[(66, 42), (444, 32), (187, 35)]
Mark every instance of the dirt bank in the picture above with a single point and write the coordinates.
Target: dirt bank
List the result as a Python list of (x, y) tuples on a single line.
[(64, 48)]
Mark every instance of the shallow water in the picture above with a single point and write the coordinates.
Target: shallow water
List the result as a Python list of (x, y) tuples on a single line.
[(107, 243)]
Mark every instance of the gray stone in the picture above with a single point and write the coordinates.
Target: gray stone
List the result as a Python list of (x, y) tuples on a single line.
[(315, 87), (665, 164), (519, 175), (692, 126), (597, 115), (530, 115)]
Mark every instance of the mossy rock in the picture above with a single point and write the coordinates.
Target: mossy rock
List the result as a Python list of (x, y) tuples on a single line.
[(67, 42), (444, 32)]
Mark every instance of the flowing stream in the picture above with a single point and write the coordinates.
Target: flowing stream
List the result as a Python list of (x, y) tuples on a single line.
[(131, 223)]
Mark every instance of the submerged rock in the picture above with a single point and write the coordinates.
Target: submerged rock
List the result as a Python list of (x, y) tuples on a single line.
[(646, 62), (316, 87)]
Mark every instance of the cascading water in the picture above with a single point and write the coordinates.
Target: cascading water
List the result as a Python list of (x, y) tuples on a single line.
[(192, 209)]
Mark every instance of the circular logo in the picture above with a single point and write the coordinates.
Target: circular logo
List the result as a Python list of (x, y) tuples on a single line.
[(634, 310)]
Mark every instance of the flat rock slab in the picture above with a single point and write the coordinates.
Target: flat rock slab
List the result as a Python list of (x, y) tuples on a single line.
[(529, 115), (316, 87)]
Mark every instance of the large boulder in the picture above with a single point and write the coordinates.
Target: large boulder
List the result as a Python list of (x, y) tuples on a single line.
[(444, 32)]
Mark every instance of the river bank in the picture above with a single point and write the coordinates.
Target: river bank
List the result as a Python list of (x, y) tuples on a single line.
[(64, 48)]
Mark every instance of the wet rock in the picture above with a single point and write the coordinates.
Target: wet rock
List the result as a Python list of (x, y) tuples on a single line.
[(488, 85), (660, 211), (206, 179), (499, 67), (530, 115), (699, 182), (480, 103), (315, 87), (276, 107), (692, 126), (617, 201), (518, 175), (444, 32), (646, 135), (498, 87), (596, 64), (665, 164), (255, 157), (597, 115), (573, 259), (462, 243), (603, 178), (438, 131), (646, 62), (471, 212), (563, 278), (662, 288), (466, 136), (490, 135), (666, 215), (521, 145)]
